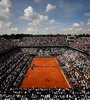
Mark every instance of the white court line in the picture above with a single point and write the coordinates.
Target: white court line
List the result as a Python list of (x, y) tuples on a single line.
[(63, 74)]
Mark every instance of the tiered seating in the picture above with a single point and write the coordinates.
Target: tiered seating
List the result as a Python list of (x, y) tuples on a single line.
[(22, 73), (82, 43), (68, 61), (45, 94), (7, 44), (14, 65), (43, 41), (12, 71)]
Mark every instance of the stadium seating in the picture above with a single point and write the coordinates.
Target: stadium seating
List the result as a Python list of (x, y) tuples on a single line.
[(14, 65)]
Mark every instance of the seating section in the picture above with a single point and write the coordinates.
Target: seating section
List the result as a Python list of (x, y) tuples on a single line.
[(45, 94), (42, 41), (7, 44), (14, 71), (73, 64), (15, 63), (82, 43)]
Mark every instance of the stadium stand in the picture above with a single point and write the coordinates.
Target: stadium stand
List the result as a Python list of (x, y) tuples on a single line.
[(6, 44), (42, 41), (14, 64), (82, 43)]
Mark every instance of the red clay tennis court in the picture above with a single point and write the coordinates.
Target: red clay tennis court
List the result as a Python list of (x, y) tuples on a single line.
[(44, 73)]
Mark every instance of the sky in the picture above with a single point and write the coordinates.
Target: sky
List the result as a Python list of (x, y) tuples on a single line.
[(44, 16)]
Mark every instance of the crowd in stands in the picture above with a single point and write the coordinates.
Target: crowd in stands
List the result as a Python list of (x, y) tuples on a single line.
[(82, 43), (42, 41), (50, 51), (43, 52), (14, 64), (7, 44), (44, 94), (76, 67), (82, 62), (56, 51), (30, 50), (12, 73)]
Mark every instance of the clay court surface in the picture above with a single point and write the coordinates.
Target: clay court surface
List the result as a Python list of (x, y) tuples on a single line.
[(46, 73)]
